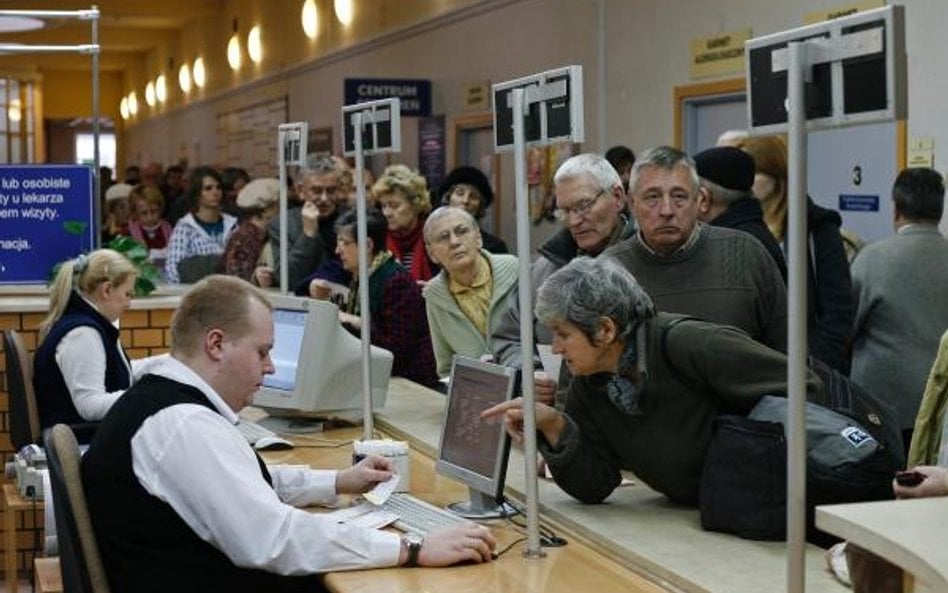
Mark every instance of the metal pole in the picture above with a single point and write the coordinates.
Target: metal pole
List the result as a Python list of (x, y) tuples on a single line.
[(364, 313), (96, 176), (54, 14), (601, 74), (284, 206), (796, 319), (533, 549)]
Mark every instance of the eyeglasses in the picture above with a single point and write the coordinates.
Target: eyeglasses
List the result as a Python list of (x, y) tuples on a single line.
[(580, 208), (444, 237)]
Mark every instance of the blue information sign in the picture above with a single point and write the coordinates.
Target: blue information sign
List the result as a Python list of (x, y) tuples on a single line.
[(45, 218), (415, 93), (858, 202)]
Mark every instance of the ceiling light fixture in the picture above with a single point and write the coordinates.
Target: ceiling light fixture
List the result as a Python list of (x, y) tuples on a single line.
[(254, 46), (161, 88), (233, 50), (310, 19), (198, 72), (345, 11), (14, 112), (123, 107), (133, 103), (17, 24), (184, 78), (150, 94)]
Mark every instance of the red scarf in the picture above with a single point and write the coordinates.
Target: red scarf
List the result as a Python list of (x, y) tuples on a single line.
[(411, 241)]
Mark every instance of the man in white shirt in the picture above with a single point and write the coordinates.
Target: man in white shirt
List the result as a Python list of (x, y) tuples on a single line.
[(181, 502)]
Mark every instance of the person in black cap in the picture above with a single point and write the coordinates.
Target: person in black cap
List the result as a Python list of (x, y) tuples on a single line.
[(468, 188), (725, 198)]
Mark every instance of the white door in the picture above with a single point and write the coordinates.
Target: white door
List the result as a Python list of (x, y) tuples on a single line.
[(851, 170)]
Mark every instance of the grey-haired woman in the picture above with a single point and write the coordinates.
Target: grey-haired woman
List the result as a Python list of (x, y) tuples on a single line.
[(634, 404)]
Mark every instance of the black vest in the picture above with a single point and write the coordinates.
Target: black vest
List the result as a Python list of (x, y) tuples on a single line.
[(145, 546), (52, 396)]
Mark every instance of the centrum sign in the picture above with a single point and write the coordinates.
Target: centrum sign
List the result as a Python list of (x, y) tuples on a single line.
[(415, 94)]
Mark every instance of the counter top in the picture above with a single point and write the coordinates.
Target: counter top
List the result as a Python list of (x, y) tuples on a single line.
[(636, 526)]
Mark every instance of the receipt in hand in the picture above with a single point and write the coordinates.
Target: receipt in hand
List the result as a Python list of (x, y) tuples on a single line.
[(382, 491)]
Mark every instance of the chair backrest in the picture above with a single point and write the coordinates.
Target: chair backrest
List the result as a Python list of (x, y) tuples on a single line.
[(191, 269), (24, 415), (81, 565)]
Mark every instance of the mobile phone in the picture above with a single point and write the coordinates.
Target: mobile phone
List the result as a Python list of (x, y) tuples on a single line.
[(909, 478)]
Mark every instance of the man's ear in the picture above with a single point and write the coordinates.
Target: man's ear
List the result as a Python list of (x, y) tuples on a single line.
[(370, 248), (214, 344)]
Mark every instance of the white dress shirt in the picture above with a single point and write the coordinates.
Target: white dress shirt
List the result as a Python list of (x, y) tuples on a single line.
[(81, 357), (196, 461)]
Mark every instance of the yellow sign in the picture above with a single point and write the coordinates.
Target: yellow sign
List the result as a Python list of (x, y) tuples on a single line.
[(841, 11), (718, 55), (477, 96)]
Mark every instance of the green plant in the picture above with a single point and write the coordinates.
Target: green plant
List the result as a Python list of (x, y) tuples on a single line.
[(137, 253)]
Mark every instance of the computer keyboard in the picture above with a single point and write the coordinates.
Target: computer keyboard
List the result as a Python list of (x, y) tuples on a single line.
[(419, 516), (253, 431)]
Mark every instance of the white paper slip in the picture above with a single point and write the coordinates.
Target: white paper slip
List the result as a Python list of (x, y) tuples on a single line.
[(374, 519), (364, 515), (382, 491), (551, 362)]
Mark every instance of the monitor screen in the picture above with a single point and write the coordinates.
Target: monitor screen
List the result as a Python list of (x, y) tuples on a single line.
[(317, 368), (288, 328), (472, 450)]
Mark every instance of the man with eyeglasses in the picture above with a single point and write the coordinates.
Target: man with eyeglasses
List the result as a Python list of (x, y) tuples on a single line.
[(311, 233), (590, 203), (466, 187), (720, 275)]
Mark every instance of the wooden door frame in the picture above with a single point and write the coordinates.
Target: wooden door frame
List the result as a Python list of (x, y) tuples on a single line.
[(475, 121), (739, 85), (704, 89)]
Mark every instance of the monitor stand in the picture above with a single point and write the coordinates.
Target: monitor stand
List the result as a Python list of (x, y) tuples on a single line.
[(480, 506), (302, 424), (289, 425)]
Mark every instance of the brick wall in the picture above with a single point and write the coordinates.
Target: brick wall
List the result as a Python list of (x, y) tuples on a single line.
[(144, 333)]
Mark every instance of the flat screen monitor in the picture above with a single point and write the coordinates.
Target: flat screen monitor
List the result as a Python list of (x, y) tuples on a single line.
[(317, 368), (474, 451)]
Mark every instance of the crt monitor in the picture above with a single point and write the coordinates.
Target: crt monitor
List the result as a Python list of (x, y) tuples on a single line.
[(318, 367), (473, 451)]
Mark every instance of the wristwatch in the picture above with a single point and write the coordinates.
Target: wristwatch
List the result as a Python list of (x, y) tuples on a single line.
[(414, 541)]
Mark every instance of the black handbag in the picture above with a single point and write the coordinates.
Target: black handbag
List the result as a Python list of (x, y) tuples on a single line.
[(854, 448)]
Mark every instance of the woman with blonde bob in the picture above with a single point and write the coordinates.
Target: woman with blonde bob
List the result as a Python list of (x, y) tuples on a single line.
[(402, 195), (80, 368)]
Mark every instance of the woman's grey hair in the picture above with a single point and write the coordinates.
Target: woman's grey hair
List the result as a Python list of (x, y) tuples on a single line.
[(666, 158), (585, 290), (592, 165), (443, 212)]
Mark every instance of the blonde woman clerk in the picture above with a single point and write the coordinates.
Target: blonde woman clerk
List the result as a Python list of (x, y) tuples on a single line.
[(79, 367)]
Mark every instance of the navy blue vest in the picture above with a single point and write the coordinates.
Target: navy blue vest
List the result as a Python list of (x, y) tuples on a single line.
[(52, 396), (146, 547)]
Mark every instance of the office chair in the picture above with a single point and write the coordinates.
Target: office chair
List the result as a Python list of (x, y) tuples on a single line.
[(81, 565), (24, 415)]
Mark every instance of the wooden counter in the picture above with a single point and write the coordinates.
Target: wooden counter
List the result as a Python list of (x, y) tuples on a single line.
[(636, 526), (908, 533)]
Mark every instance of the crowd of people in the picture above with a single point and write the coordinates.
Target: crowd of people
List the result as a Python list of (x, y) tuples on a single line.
[(643, 241)]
